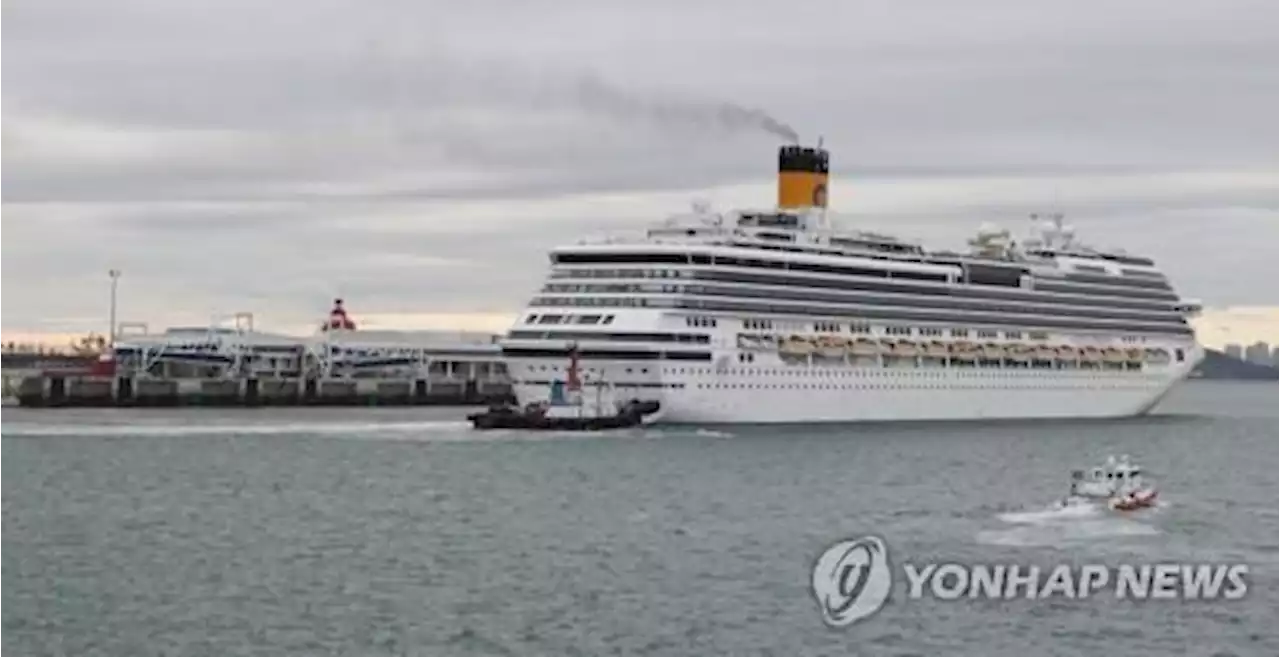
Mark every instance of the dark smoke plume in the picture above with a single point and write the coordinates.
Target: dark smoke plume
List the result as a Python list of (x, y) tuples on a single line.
[(599, 96)]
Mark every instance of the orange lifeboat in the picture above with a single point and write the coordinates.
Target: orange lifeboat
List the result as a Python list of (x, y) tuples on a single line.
[(906, 348), (795, 345), (937, 349), (1020, 352), (865, 347), (963, 351), (830, 346), (1141, 499)]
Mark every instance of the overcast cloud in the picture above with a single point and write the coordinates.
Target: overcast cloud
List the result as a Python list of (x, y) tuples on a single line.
[(420, 157)]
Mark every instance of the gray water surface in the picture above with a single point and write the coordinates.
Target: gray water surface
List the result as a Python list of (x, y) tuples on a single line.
[(402, 532)]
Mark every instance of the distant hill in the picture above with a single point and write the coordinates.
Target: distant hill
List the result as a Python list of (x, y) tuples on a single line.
[(1217, 365)]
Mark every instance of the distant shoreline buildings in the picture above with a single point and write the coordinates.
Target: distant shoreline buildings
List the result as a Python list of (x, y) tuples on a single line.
[(1258, 353), (237, 365)]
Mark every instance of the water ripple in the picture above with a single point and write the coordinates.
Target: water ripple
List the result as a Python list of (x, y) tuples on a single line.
[(402, 532)]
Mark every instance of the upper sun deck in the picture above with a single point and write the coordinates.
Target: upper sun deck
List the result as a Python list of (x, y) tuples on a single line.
[(1052, 250), (794, 231)]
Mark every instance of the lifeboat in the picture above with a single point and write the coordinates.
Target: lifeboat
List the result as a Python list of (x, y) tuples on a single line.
[(865, 347), (1067, 353), (1157, 356), (937, 348), (906, 348), (1090, 354), (992, 350), (796, 345), (1046, 352), (832, 347), (1133, 355), (1140, 499), (1019, 352), (1112, 355), (963, 351)]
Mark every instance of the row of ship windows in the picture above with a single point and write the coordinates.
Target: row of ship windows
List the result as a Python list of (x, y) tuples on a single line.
[(621, 273), (866, 328), (754, 324), (964, 371), (765, 324), (750, 289), (589, 370), (997, 274), (1063, 292), (970, 273), (611, 302), (886, 313), (899, 362), (784, 265), (837, 373), (553, 318), (857, 297)]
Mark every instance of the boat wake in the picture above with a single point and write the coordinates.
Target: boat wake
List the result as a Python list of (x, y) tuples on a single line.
[(420, 430), (1052, 514), (1058, 525)]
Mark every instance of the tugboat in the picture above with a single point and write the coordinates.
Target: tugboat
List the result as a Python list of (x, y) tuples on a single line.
[(1118, 483), (568, 412)]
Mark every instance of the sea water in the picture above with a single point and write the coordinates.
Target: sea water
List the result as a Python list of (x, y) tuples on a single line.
[(403, 532)]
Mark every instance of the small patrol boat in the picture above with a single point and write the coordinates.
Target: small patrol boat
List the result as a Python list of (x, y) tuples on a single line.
[(1118, 483), (567, 410)]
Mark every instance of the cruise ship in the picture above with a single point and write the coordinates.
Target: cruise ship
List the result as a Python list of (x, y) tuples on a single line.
[(780, 316)]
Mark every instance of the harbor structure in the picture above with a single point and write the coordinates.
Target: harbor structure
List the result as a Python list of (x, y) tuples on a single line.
[(229, 362)]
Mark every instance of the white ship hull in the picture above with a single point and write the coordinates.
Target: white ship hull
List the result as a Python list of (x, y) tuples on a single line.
[(885, 394), (914, 398)]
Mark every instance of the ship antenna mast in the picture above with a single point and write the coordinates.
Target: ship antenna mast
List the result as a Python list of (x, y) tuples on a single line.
[(826, 224), (1051, 236), (1058, 234)]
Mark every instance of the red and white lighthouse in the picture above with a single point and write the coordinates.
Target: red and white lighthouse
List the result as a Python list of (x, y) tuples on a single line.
[(338, 319)]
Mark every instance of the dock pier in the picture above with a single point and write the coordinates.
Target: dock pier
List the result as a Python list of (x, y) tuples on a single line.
[(230, 364)]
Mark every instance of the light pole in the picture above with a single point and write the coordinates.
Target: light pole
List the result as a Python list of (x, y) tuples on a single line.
[(115, 283)]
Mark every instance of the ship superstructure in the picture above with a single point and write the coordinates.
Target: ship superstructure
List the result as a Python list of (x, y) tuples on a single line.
[(778, 316)]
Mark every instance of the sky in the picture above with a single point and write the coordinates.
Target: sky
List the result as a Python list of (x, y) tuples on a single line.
[(419, 158)]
